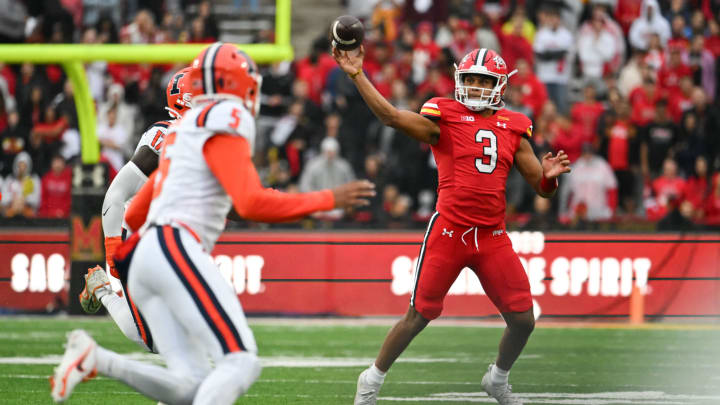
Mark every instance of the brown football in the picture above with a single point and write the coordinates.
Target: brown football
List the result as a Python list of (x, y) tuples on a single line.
[(346, 33)]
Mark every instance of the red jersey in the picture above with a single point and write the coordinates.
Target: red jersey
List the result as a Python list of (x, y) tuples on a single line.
[(474, 156), (619, 145)]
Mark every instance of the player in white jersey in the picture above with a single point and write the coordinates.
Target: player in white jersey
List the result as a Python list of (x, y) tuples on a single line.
[(197, 321), (124, 186)]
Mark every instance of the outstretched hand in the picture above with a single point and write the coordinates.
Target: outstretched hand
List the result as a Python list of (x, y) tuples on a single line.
[(350, 62), (554, 166), (354, 194)]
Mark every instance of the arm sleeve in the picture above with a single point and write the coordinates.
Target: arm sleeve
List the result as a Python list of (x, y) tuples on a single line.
[(228, 157), (140, 205), (125, 184)]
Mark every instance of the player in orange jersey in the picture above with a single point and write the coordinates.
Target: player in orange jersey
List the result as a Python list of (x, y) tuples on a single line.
[(205, 170), (475, 142)]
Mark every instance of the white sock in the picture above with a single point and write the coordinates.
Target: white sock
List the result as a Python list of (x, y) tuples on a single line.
[(376, 375), (156, 382), (102, 292), (499, 376), (119, 310)]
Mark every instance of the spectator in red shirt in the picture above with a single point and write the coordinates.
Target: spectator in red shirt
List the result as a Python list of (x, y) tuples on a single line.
[(437, 84), (56, 190), (626, 12), (585, 115), (425, 51), (669, 186), (534, 94), (669, 75), (379, 57), (314, 69), (697, 188), (515, 45), (643, 101), (680, 101), (463, 42), (558, 132), (620, 136), (655, 55)]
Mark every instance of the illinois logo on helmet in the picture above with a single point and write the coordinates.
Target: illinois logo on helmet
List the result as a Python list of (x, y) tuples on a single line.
[(223, 70), (482, 62), (178, 93)]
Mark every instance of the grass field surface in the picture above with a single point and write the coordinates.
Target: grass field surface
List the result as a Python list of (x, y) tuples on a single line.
[(308, 362)]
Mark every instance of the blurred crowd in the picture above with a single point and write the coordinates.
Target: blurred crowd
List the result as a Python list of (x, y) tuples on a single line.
[(627, 88)]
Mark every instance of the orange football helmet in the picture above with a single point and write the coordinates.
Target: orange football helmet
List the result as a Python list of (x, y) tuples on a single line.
[(223, 69), (178, 93)]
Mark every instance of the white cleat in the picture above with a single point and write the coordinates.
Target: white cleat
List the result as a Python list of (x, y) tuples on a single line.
[(78, 364), (502, 393), (367, 391), (96, 280)]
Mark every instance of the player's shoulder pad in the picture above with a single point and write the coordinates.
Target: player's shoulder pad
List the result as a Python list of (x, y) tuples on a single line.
[(433, 108), (518, 123), (161, 126), (154, 136), (228, 117)]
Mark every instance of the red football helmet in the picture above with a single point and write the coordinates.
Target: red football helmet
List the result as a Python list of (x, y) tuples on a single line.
[(482, 62), (223, 69), (178, 93)]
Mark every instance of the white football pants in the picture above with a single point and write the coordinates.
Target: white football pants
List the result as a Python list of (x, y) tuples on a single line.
[(197, 324)]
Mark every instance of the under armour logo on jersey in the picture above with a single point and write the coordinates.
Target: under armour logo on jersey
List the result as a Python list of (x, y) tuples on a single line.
[(501, 124), (446, 232), (468, 118)]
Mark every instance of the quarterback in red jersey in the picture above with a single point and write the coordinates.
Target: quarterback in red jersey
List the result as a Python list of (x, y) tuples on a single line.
[(475, 142)]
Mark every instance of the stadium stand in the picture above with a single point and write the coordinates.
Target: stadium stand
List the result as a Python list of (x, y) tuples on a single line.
[(629, 93)]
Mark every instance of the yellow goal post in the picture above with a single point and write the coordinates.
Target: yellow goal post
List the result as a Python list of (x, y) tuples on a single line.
[(72, 57)]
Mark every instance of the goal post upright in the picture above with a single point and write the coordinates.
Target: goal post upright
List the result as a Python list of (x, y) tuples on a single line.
[(72, 57)]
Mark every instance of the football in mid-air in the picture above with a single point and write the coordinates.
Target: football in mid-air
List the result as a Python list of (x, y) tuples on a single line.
[(346, 33)]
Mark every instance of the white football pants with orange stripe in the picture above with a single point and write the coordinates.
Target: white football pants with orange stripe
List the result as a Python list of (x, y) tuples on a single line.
[(195, 318)]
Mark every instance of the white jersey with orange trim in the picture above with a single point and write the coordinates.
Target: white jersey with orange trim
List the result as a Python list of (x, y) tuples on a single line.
[(129, 180), (186, 192)]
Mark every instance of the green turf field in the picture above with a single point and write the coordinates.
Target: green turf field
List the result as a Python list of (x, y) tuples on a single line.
[(319, 364)]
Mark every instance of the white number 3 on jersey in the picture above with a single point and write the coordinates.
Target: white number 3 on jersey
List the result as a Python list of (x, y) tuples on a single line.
[(489, 151)]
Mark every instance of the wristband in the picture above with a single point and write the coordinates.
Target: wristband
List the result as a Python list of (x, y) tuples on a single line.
[(547, 185), (354, 75)]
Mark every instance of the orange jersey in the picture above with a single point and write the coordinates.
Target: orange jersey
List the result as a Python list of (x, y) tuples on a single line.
[(474, 156)]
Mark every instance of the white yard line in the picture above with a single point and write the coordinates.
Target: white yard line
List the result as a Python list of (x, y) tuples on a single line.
[(598, 398)]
